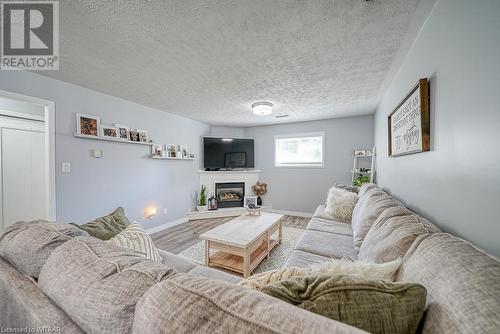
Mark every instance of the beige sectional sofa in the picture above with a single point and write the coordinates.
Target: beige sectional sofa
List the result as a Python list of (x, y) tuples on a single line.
[(62, 278)]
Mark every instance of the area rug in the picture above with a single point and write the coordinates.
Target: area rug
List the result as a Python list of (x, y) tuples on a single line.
[(277, 257)]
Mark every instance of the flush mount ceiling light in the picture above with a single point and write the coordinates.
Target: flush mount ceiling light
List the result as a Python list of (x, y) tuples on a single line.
[(262, 108)]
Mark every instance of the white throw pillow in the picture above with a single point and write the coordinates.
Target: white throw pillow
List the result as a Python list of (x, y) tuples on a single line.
[(135, 238), (340, 204), (367, 270)]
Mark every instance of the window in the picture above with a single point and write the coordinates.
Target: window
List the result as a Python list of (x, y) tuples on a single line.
[(299, 150)]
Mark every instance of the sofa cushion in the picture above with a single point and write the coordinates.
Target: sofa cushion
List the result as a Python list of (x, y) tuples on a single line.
[(462, 282), (365, 187), (320, 213), (329, 226), (24, 305), (179, 263), (193, 304), (108, 226), (303, 259), (366, 211), (97, 284), (326, 244), (215, 274), (392, 234), (27, 245), (374, 306)]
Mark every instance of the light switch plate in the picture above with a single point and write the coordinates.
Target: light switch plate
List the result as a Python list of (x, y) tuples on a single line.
[(66, 167)]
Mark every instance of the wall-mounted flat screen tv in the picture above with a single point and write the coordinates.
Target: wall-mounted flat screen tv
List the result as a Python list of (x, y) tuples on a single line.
[(228, 153)]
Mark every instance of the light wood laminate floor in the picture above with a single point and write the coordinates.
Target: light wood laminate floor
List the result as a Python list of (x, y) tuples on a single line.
[(180, 237)]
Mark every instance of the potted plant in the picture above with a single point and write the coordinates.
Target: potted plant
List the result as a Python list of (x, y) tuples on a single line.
[(360, 180), (202, 199)]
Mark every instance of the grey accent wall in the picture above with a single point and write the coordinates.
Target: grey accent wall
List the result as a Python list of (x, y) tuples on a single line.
[(302, 189), (124, 176), (457, 184)]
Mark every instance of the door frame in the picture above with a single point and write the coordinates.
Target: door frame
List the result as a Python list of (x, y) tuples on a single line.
[(50, 145)]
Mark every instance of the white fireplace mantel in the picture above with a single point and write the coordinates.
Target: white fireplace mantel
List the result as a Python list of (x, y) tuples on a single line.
[(210, 178)]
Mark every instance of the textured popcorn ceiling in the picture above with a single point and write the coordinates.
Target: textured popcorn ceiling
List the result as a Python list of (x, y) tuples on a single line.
[(210, 60)]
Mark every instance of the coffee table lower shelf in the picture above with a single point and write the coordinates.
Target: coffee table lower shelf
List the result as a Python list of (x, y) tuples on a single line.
[(236, 263)]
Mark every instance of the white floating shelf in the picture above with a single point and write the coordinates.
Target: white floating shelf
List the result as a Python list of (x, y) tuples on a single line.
[(168, 158), (111, 139)]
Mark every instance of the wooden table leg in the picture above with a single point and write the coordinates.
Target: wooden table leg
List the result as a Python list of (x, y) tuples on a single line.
[(280, 234), (268, 237), (246, 265), (207, 253)]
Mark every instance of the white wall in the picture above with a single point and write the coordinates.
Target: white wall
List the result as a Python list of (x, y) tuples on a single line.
[(457, 183), (299, 189), (124, 176), (226, 131)]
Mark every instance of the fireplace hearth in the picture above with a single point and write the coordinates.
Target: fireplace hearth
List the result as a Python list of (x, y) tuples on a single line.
[(230, 194)]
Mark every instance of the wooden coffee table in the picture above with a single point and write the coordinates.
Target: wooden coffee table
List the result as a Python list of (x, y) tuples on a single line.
[(243, 242)]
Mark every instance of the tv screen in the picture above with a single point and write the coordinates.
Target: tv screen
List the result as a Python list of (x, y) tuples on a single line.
[(228, 153)]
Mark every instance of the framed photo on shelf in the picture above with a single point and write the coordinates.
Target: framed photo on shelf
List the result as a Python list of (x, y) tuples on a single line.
[(109, 131), (184, 151), (123, 131), (191, 155), (171, 150), (87, 125), (156, 150), (249, 199), (134, 135), (143, 136)]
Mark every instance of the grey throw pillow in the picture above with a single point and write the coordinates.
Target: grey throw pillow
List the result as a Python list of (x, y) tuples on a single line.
[(106, 227)]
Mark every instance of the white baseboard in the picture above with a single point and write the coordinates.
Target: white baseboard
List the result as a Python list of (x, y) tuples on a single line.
[(167, 225), (293, 213)]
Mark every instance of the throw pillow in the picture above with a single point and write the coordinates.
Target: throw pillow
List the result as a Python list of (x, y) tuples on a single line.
[(340, 204), (369, 271), (374, 306), (135, 238), (352, 189), (106, 227)]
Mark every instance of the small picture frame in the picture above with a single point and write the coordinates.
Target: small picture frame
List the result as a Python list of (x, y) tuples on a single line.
[(249, 199), (171, 150), (191, 156), (156, 150), (184, 151), (134, 135), (109, 131), (87, 125), (360, 153), (123, 131), (143, 136)]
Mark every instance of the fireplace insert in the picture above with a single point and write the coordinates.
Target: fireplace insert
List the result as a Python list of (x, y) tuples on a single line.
[(230, 194)]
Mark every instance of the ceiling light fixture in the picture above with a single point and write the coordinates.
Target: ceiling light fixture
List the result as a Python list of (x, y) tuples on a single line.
[(262, 108)]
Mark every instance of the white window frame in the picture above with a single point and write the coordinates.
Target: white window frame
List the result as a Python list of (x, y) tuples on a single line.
[(301, 135)]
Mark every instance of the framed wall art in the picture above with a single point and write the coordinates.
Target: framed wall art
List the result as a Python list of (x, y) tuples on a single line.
[(409, 123)]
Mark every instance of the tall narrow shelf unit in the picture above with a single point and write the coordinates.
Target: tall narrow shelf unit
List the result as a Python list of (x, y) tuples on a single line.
[(356, 168)]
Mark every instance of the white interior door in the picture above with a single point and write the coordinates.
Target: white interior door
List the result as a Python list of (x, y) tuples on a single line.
[(23, 175)]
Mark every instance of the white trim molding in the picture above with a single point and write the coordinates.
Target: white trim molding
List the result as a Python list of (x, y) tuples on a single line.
[(162, 227)]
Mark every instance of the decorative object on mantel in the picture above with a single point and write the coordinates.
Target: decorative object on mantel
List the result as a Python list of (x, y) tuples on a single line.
[(363, 174), (249, 200), (260, 189), (409, 122), (87, 125), (202, 199), (212, 203)]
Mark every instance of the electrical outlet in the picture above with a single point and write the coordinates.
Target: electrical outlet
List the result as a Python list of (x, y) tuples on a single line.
[(66, 167), (165, 210)]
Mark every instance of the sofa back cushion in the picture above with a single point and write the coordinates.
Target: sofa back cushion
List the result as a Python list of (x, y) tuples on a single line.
[(27, 245), (462, 282), (392, 234), (97, 284), (365, 187), (368, 208), (195, 304)]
